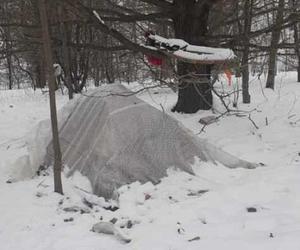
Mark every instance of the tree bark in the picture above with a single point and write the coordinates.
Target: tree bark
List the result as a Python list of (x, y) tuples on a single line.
[(274, 45), (66, 53), (190, 24), (40, 72), (297, 48), (8, 49), (246, 51), (10, 71), (51, 82)]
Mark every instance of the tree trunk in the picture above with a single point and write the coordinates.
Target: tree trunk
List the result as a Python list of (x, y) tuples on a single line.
[(274, 45), (40, 72), (297, 48), (245, 58), (10, 71), (96, 69), (9, 58), (8, 47), (51, 82), (190, 24), (97, 76), (66, 54), (76, 57)]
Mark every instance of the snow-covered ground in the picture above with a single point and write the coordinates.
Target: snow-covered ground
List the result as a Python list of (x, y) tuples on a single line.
[(210, 209)]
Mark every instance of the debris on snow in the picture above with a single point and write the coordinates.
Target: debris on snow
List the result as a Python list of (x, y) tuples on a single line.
[(251, 210), (69, 219), (113, 220), (194, 239), (180, 229), (109, 228), (208, 120), (197, 193), (75, 209)]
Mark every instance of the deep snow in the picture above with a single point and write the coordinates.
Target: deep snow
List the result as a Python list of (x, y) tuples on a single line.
[(211, 205)]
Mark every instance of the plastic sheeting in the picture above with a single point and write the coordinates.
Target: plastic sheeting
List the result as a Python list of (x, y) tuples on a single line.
[(114, 138)]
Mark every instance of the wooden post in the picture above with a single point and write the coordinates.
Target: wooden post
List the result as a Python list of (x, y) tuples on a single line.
[(51, 83)]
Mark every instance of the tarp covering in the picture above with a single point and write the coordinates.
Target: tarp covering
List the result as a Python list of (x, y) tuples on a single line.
[(114, 138)]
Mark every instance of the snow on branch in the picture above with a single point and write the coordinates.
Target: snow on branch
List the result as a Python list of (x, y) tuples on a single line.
[(96, 14), (196, 54)]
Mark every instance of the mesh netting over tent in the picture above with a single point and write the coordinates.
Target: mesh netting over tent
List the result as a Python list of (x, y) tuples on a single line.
[(115, 138)]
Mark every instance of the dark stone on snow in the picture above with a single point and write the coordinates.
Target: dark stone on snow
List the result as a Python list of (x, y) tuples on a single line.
[(147, 196), (129, 224), (198, 193), (251, 209), (75, 209), (40, 194), (111, 208), (113, 220), (69, 219), (203, 221)]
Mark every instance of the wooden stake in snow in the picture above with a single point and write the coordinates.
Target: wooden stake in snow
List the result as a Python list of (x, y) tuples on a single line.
[(51, 82)]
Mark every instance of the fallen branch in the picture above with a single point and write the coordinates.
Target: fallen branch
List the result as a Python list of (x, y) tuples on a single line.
[(254, 124)]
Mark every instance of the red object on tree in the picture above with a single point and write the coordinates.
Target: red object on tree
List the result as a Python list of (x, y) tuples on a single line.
[(154, 60), (228, 74)]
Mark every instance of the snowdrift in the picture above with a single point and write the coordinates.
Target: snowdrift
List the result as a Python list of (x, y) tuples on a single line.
[(114, 138)]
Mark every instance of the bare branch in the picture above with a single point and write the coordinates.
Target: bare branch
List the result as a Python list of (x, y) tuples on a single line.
[(85, 12)]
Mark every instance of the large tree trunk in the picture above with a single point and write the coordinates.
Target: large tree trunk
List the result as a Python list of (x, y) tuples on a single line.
[(190, 24)]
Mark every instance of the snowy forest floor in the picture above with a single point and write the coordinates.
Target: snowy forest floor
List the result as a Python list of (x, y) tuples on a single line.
[(212, 205)]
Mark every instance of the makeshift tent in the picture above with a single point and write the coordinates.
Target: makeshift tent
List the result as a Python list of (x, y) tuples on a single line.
[(114, 138)]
